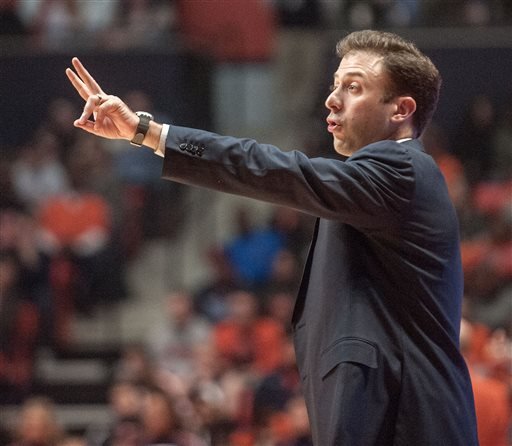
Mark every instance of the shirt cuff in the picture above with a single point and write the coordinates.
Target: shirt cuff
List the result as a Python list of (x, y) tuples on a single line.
[(160, 150)]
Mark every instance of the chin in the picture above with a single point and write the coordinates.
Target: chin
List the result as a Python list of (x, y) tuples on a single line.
[(340, 149)]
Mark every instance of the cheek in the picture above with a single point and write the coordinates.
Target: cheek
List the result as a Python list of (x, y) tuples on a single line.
[(369, 117), (357, 113)]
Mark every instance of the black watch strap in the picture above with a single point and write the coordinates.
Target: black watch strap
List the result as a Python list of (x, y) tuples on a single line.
[(142, 128)]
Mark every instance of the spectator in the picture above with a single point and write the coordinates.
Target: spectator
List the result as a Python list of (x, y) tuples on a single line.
[(492, 402), (252, 251), (161, 423), (285, 274), (135, 366), (57, 24), (276, 389), (18, 235), (278, 306), (211, 299), (487, 262), (499, 355), (38, 173), (291, 428), (140, 24), (38, 424), (76, 230), (19, 324), (477, 13), (53, 23), (209, 402), (246, 339), (173, 341), (90, 170), (125, 427), (372, 13)]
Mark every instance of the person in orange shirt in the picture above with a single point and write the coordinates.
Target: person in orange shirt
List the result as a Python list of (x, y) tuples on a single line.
[(492, 403), (246, 338)]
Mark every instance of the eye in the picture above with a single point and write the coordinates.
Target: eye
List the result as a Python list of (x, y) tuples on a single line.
[(352, 87), (332, 87)]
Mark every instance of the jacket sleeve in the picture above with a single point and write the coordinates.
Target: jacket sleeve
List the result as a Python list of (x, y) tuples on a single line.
[(368, 190)]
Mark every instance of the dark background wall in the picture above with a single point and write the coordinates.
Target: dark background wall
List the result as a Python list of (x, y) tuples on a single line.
[(177, 82), (467, 73)]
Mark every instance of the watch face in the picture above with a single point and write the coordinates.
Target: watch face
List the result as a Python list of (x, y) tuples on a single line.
[(145, 114)]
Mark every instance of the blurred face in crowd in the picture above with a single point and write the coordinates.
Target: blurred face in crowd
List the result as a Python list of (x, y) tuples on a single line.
[(37, 424), (242, 307), (125, 399), (179, 308), (359, 114), (158, 417)]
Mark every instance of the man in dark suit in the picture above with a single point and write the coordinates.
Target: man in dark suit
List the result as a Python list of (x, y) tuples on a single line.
[(377, 317)]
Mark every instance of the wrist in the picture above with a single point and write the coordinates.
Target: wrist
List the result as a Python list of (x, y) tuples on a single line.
[(152, 138)]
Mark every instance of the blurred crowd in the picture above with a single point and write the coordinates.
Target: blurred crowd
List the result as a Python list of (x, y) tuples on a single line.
[(220, 369), (118, 25)]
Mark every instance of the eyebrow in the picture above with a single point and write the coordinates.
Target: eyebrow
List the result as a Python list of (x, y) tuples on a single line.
[(350, 74)]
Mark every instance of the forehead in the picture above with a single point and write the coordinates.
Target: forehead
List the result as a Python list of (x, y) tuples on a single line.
[(362, 64)]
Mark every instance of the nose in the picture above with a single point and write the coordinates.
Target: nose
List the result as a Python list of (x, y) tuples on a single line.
[(333, 101)]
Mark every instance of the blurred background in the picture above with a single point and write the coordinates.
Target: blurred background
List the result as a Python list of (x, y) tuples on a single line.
[(138, 311)]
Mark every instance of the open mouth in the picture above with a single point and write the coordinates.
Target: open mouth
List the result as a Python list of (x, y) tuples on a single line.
[(332, 125)]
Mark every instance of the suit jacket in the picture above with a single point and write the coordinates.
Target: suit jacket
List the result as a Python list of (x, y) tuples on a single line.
[(376, 321)]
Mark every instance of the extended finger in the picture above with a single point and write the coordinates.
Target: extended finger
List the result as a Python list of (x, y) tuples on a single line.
[(87, 79), (80, 87)]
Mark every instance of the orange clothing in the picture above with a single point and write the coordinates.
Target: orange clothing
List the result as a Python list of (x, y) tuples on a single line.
[(261, 344), (493, 411), (450, 167), (477, 252), (69, 216), (479, 338), (492, 197)]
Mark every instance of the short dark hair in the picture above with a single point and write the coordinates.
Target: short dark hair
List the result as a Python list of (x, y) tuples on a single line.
[(410, 71)]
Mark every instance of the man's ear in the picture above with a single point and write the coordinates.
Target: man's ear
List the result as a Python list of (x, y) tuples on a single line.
[(405, 107)]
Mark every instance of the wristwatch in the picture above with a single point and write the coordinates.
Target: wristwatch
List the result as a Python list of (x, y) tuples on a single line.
[(142, 128)]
